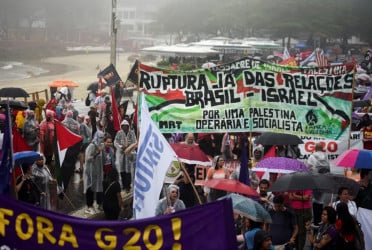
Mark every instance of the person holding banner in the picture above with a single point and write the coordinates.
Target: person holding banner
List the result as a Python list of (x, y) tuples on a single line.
[(171, 202)]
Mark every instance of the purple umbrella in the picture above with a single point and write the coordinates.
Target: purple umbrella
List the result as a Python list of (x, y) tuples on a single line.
[(280, 165)]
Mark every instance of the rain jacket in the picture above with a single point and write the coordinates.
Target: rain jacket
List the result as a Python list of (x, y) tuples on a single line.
[(318, 162), (163, 203)]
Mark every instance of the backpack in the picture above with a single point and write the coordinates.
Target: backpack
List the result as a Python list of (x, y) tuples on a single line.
[(87, 101)]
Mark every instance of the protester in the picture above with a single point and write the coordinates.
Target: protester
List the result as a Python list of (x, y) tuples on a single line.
[(266, 198), (171, 202), (348, 229), (300, 202), (112, 200), (26, 188), (43, 178), (262, 241), (189, 139), (72, 154), (185, 182), (31, 130), (124, 163), (93, 172), (318, 163), (344, 197), (108, 155), (217, 171), (47, 136), (252, 227), (367, 136), (86, 133), (318, 160), (284, 228), (326, 237), (364, 196)]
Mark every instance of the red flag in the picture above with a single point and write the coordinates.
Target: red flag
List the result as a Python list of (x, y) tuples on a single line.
[(65, 139), (271, 152), (116, 118), (19, 145)]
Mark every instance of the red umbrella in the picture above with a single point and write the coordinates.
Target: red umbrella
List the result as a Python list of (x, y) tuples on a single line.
[(191, 154), (231, 186)]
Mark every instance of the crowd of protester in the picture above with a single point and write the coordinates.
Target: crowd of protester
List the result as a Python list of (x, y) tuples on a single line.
[(105, 160)]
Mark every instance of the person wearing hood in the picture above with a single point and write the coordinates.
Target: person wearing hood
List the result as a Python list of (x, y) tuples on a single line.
[(93, 172), (43, 178), (125, 160), (171, 202), (318, 160), (262, 241), (31, 130)]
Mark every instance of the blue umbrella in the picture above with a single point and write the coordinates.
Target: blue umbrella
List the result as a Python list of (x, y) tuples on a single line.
[(249, 208), (25, 157)]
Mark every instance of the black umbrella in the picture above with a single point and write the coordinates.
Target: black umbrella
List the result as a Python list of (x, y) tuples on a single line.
[(300, 181), (13, 92), (342, 181), (93, 86), (271, 138), (14, 104)]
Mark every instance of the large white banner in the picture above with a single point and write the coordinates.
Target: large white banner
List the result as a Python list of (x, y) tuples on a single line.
[(153, 159)]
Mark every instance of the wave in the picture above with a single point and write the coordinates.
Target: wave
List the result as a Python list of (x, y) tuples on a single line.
[(12, 71)]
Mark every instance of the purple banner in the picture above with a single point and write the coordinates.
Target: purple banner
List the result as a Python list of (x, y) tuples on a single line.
[(208, 226)]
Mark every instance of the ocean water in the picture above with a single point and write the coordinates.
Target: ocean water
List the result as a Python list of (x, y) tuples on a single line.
[(12, 70)]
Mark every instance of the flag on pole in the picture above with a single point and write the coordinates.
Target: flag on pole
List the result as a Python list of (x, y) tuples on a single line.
[(133, 74), (6, 156), (110, 75), (244, 172), (64, 139), (154, 156), (116, 118), (308, 59)]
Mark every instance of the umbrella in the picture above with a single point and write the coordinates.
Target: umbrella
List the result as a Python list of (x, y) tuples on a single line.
[(248, 208), (270, 138), (191, 154), (25, 157), (93, 87), (231, 186), (354, 158), (342, 181), (280, 165), (302, 181), (63, 83), (13, 92), (14, 104)]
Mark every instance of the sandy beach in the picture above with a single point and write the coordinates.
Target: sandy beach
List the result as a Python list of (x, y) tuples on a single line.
[(80, 68)]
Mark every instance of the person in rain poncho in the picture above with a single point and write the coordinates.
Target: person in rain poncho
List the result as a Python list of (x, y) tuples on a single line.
[(318, 160), (31, 130), (42, 178), (125, 162), (171, 202), (93, 172)]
